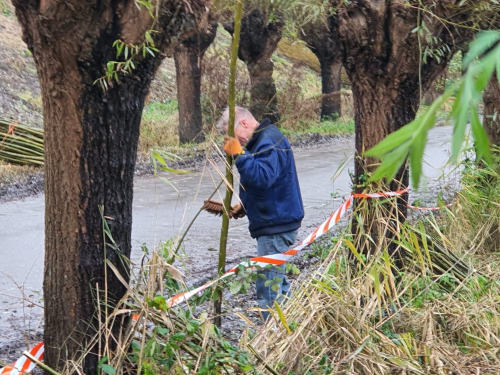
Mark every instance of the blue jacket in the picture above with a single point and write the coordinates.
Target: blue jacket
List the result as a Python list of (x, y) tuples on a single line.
[(269, 187)]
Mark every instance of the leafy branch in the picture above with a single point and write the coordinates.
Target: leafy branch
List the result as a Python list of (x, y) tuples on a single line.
[(409, 142), (131, 51)]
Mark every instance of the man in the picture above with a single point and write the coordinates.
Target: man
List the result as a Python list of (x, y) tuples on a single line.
[(270, 194)]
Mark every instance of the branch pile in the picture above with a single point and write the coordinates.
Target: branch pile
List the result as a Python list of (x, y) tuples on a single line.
[(20, 144)]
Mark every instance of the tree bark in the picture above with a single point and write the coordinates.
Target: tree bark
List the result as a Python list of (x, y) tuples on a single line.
[(188, 58), (381, 56), (322, 40), (259, 39), (331, 100), (491, 113), (90, 142)]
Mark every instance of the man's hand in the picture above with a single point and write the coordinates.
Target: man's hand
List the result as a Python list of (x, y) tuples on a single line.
[(237, 211), (232, 146)]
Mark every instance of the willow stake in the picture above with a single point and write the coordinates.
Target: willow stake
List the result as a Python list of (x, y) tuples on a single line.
[(229, 168)]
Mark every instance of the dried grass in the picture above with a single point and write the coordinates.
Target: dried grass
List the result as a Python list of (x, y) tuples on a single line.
[(434, 317)]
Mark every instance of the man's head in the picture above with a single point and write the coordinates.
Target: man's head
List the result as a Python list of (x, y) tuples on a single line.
[(244, 124)]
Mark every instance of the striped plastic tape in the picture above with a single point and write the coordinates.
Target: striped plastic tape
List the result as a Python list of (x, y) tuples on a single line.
[(24, 365)]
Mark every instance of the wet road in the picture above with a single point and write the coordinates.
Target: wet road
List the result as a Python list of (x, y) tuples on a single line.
[(159, 213)]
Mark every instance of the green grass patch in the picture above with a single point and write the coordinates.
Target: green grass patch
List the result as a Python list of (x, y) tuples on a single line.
[(160, 121), (333, 127)]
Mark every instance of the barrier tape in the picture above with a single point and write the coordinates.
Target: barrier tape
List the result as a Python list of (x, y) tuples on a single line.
[(24, 366), (280, 259)]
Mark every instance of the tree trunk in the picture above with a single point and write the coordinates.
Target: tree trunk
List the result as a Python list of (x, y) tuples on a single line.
[(90, 144), (377, 114), (331, 101), (259, 39), (263, 97), (491, 113), (322, 40), (188, 58), (381, 55)]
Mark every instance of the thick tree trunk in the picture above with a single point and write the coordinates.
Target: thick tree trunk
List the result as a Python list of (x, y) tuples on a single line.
[(188, 58), (377, 114), (322, 40), (90, 147), (331, 103), (491, 113), (381, 56), (91, 140), (263, 97), (259, 39)]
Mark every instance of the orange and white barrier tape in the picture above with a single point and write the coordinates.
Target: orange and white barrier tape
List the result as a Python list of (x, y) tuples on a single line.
[(23, 365), (280, 259)]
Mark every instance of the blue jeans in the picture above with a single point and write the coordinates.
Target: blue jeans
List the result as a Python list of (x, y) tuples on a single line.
[(269, 245)]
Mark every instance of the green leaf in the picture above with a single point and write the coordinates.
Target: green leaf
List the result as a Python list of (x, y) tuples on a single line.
[(158, 157), (119, 50), (487, 67), (282, 317), (394, 140), (149, 39), (483, 41), (417, 154), (391, 163), (460, 115), (162, 331), (178, 336), (107, 369), (126, 52), (482, 143), (355, 252), (235, 287)]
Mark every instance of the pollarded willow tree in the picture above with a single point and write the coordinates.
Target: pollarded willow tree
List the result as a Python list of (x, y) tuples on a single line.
[(188, 57), (383, 44), (91, 138), (321, 40), (261, 31)]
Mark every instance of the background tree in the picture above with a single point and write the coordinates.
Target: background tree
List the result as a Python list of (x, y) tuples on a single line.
[(90, 141), (261, 31), (383, 44), (491, 113), (188, 58), (322, 41)]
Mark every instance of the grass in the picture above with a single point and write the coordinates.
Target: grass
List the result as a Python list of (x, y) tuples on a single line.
[(440, 314), (159, 125)]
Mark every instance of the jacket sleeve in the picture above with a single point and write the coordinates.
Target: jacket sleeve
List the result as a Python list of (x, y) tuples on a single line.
[(260, 170)]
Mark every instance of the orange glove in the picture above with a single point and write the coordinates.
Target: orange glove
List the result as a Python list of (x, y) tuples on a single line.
[(237, 211), (232, 146)]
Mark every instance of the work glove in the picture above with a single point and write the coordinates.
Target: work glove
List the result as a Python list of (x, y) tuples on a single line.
[(232, 146), (237, 211)]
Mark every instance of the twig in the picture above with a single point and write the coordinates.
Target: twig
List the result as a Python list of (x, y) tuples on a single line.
[(171, 260)]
